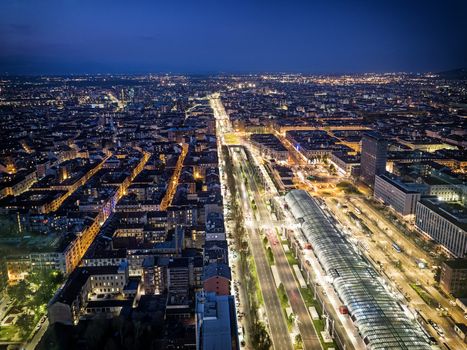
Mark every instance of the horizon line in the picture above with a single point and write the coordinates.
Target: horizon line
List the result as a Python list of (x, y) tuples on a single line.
[(219, 73)]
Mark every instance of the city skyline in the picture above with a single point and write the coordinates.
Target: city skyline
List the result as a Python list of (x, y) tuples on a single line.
[(237, 211), (233, 175)]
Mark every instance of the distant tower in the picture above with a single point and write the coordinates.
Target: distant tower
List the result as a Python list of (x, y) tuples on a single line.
[(131, 95), (122, 96), (112, 124), (374, 156)]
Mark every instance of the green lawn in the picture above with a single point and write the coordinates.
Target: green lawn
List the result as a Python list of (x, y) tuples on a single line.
[(9, 333), (319, 326), (254, 276), (427, 298), (348, 187), (270, 256), (307, 295), (283, 296), (291, 258), (284, 300)]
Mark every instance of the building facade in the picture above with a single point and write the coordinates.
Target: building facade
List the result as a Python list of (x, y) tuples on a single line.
[(373, 157), (445, 223), (402, 197), (453, 278)]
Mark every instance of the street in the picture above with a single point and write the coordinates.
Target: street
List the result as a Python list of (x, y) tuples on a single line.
[(400, 269), (275, 319), (265, 221)]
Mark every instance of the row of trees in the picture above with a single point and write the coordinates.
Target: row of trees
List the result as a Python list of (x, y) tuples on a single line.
[(37, 288), (31, 296), (259, 337)]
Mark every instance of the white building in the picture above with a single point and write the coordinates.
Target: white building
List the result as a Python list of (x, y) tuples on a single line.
[(400, 196), (445, 223)]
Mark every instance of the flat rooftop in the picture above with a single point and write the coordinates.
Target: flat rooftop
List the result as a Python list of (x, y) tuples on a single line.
[(451, 211), (457, 264)]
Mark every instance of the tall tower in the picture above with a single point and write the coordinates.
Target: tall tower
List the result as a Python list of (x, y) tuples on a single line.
[(374, 156), (122, 96)]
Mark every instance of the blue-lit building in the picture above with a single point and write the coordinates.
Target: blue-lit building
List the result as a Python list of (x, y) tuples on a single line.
[(216, 322)]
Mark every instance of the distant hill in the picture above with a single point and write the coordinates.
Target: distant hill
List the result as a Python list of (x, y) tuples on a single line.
[(460, 73)]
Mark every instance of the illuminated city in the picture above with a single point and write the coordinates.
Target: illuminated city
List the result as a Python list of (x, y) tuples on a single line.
[(180, 209)]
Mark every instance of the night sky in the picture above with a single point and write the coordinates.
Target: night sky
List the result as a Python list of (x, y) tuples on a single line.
[(198, 36)]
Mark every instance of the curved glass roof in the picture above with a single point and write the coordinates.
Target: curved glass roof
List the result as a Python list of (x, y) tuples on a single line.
[(379, 318)]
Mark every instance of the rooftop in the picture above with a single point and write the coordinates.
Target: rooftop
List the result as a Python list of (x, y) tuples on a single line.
[(451, 211), (377, 314), (457, 263), (216, 323)]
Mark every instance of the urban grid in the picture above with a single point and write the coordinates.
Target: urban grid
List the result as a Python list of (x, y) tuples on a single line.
[(223, 212), (233, 175)]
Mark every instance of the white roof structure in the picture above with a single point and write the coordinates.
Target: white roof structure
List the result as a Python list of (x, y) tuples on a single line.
[(379, 318)]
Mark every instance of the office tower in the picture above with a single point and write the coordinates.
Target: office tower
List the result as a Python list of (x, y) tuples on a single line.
[(374, 155)]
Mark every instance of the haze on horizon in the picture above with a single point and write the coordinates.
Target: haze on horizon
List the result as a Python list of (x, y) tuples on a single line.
[(206, 36)]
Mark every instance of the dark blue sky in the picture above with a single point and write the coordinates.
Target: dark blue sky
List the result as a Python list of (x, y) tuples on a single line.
[(199, 36)]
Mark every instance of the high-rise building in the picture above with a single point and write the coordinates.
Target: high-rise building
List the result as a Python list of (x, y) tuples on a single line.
[(374, 155)]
